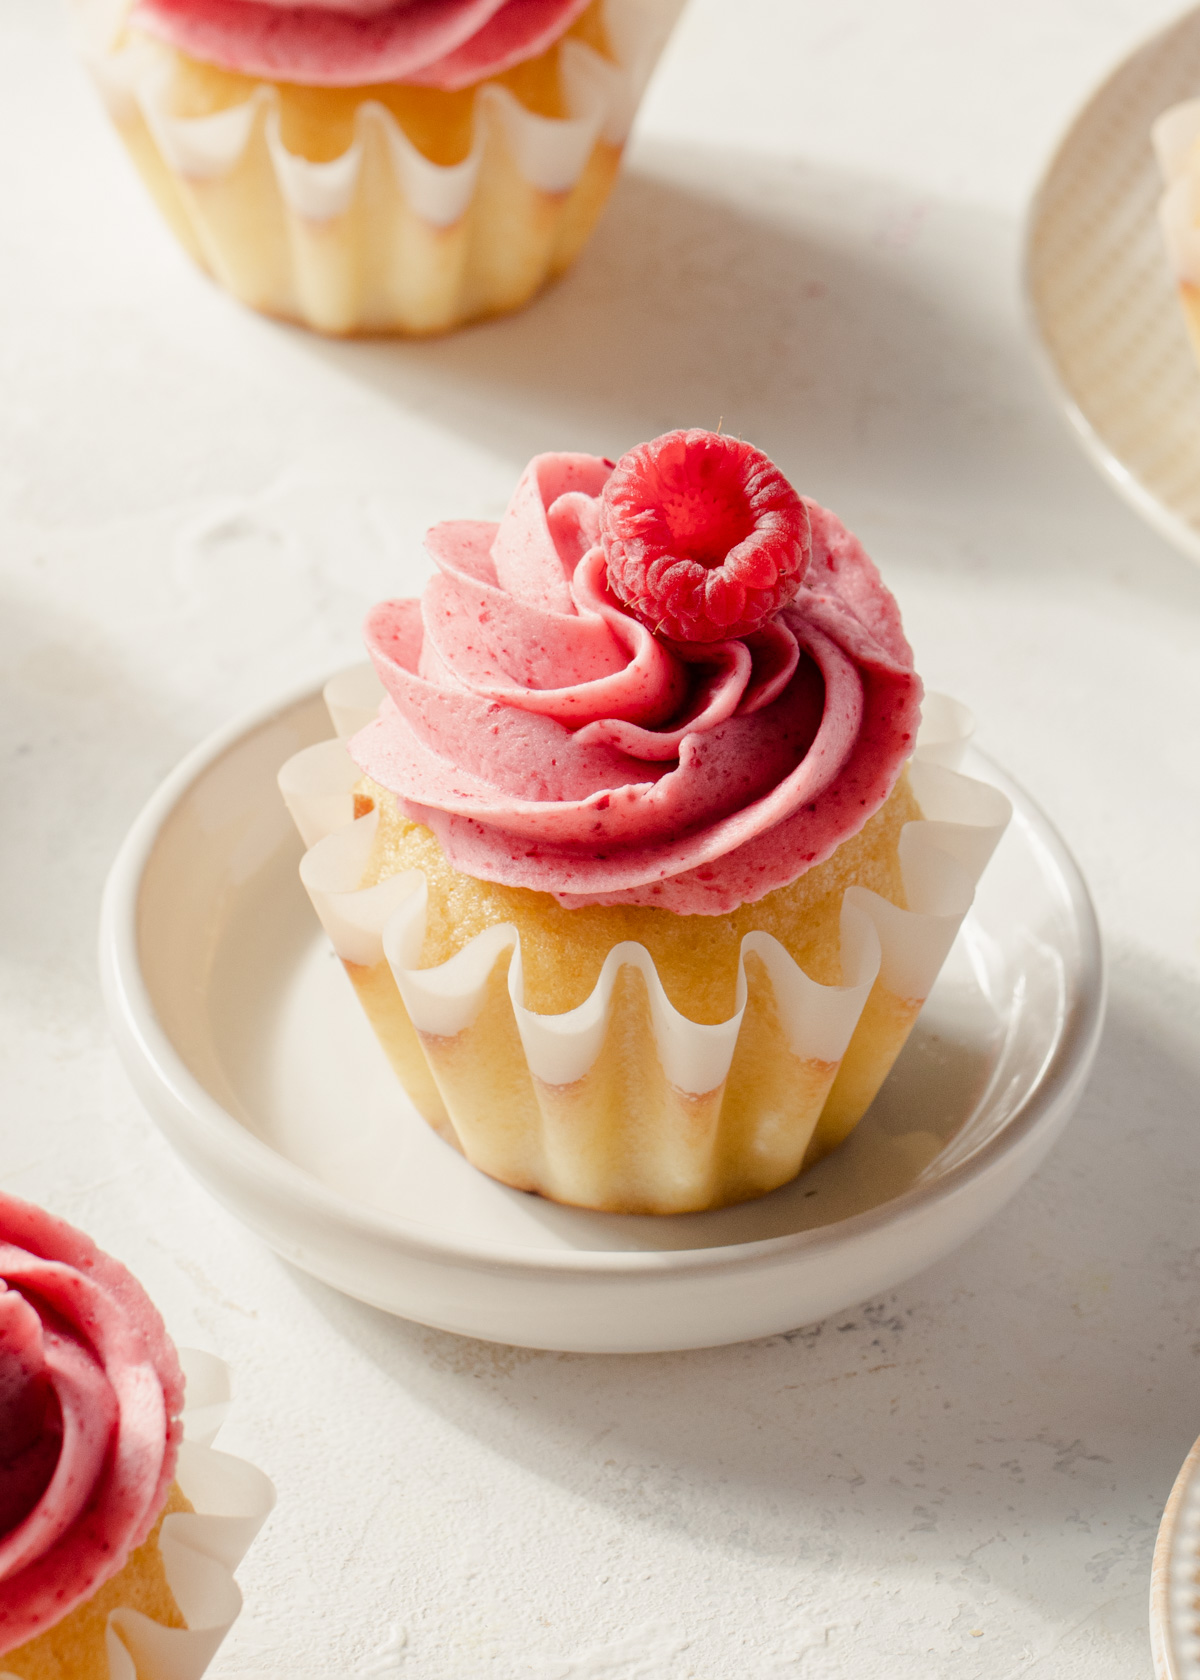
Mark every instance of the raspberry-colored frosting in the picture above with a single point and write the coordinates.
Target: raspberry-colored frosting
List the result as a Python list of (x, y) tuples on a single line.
[(551, 740), (353, 43), (90, 1396)]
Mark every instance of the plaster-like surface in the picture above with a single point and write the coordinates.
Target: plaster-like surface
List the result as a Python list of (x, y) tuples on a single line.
[(816, 243)]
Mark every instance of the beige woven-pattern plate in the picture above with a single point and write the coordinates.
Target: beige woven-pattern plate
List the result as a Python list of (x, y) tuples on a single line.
[(1175, 1581), (1102, 296)]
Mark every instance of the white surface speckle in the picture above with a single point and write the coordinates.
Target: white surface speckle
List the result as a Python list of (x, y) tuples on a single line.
[(816, 241)]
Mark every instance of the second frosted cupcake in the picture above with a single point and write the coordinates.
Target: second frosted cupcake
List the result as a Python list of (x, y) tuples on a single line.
[(368, 166), (118, 1525)]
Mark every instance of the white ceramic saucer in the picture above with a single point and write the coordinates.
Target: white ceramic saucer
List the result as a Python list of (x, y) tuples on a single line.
[(242, 1035), (1175, 1579), (1102, 297)]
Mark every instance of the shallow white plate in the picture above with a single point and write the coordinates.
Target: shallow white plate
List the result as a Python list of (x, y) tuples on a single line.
[(1102, 296), (1175, 1579), (241, 1032)]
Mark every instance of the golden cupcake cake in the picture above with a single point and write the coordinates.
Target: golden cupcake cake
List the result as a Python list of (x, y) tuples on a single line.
[(107, 1566), (639, 881), (377, 166)]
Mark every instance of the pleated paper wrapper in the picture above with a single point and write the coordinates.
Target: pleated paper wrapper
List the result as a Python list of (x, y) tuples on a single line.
[(380, 239), (1176, 137), (623, 1103), (200, 1548)]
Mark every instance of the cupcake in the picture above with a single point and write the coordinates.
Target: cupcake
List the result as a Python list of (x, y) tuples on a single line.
[(1176, 137), (634, 871), (377, 166), (110, 1567)]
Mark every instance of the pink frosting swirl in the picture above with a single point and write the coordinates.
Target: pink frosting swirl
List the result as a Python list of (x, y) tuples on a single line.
[(446, 44), (551, 741), (90, 1396)]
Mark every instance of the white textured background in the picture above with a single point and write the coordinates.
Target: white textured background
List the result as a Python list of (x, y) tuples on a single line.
[(817, 241)]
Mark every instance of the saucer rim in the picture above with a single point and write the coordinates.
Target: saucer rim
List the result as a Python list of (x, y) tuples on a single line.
[(182, 1104)]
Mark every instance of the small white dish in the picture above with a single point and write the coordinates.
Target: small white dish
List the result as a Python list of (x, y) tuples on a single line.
[(1175, 1579), (244, 1039), (1102, 296)]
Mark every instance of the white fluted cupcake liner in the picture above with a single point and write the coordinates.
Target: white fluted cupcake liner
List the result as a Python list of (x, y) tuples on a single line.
[(1175, 137), (890, 956), (381, 239), (200, 1548)]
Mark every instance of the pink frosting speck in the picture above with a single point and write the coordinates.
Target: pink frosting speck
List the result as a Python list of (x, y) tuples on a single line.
[(447, 44), (551, 741), (90, 1397)]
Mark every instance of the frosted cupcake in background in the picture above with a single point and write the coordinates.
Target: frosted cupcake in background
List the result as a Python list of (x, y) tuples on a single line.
[(118, 1526), (632, 872), (377, 166), (1176, 137)]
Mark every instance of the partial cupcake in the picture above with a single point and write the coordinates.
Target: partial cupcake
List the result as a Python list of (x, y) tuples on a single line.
[(635, 871), (377, 166), (1176, 137), (117, 1531)]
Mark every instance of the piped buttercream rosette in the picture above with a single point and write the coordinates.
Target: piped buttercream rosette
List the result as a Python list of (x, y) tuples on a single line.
[(99, 1417), (446, 44), (381, 237)]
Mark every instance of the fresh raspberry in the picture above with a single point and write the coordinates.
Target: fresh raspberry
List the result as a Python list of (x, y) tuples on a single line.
[(704, 537)]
